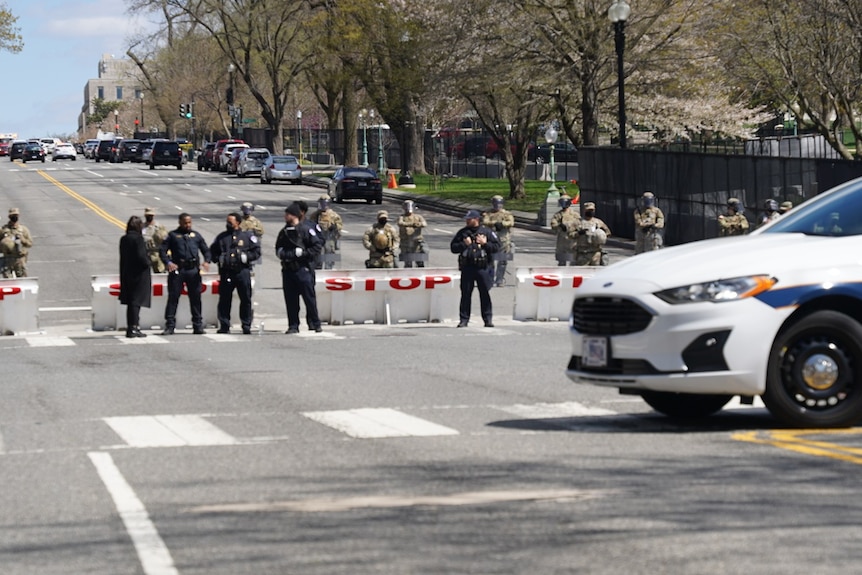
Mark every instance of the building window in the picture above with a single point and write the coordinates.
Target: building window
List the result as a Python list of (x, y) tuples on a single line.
[(139, 94), (100, 91), (119, 92)]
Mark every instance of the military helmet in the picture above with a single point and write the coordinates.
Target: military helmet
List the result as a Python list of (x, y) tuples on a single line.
[(380, 240), (497, 201), (149, 211), (382, 214), (648, 195), (786, 206), (565, 201), (408, 206), (14, 212), (771, 205), (589, 206)]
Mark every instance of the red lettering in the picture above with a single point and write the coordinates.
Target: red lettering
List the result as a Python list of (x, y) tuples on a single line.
[(4, 291), (369, 284), (432, 281), (114, 290), (158, 290), (215, 287), (338, 284), (546, 280), (577, 281), (412, 283)]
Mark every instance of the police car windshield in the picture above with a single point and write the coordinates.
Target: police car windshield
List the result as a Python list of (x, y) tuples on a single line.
[(836, 214)]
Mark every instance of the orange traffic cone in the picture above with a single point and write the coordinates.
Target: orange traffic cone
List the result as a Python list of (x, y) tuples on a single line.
[(392, 183)]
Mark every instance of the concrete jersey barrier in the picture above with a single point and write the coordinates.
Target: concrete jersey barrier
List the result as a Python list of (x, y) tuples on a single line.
[(546, 293), (19, 305)]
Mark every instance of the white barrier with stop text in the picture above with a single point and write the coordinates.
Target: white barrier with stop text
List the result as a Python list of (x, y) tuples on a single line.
[(110, 314), (546, 293), (388, 296), (19, 305)]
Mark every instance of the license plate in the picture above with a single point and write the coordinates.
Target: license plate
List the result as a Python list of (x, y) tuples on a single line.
[(595, 351), (361, 184)]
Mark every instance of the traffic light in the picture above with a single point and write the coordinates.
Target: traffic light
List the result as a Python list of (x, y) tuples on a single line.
[(190, 110), (182, 110)]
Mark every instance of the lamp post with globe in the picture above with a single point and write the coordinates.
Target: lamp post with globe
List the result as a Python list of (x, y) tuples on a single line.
[(551, 138), (618, 13)]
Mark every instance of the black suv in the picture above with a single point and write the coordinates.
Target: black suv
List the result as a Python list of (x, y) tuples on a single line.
[(103, 150), (126, 151), (166, 154), (16, 150), (33, 151)]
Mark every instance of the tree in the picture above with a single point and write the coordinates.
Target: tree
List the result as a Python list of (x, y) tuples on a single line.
[(797, 56), (10, 38), (102, 110)]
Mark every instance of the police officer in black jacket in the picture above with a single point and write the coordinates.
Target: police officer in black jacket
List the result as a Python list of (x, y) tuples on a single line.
[(235, 250), (297, 245), (475, 245), (180, 252)]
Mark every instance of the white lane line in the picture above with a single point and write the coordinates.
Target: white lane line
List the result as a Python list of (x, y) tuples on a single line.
[(168, 431), (333, 505), (372, 423), (2, 445), (152, 552), (49, 341), (554, 410), (443, 231)]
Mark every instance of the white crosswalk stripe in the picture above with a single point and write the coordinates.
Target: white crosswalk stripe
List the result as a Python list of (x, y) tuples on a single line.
[(375, 423), (49, 341), (168, 431)]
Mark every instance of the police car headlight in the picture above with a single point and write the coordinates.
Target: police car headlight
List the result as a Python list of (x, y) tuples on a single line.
[(717, 291)]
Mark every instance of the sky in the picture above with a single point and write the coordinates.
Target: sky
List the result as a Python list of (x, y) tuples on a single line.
[(43, 85)]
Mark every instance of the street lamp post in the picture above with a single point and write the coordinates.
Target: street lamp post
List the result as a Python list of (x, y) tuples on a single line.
[(364, 125), (229, 97), (141, 97), (116, 123), (618, 13), (380, 166), (551, 139), (299, 126)]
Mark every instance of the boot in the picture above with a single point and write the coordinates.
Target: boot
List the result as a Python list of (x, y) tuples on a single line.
[(137, 331)]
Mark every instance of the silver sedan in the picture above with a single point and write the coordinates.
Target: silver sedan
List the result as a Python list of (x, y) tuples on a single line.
[(281, 168)]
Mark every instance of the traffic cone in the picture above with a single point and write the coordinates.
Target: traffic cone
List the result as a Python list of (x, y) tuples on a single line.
[(392, 183)]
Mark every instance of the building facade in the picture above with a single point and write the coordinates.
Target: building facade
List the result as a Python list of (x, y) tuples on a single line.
[(116, 81)]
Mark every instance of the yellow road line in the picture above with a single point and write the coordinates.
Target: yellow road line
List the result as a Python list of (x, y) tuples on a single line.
[(795, 440), (84, 200)]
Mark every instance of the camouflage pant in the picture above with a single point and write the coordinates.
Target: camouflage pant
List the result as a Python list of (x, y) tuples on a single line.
[(588, 258), (156, 263), (16, 267), (380, 261), (647, 241)]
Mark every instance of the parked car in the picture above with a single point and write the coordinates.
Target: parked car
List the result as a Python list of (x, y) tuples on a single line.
[(126, 151), (5, 144), (281, 168), (205, 157), (48, 144), (250, 161), (33, 151), (166, 153), (226, 154), (355, 183), (774, 314), (145, 151), (563, 152), (16, 150), (64, 150), (233, 160)]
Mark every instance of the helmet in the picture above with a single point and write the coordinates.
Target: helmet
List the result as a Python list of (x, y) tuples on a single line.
[(247, 208), (408, 206), (497, 201), (323, 202), (648, 195), (648, 199), (8, 246), (564, 201), (589, 206), (771, 205), (733, 204), (786, 206), (380, 240)]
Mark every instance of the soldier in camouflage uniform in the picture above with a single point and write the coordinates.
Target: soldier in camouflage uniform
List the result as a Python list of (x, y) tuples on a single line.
[(784, 208), (734, 222), (381, 241), (590, 236), (501, 221), (15, 242), (250, 223), (565, 219), (770, 212), (330, 226), (154, 234), (410, 227), (649, 221)]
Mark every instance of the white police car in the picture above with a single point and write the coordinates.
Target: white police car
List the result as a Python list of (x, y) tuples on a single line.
[(777, 314)]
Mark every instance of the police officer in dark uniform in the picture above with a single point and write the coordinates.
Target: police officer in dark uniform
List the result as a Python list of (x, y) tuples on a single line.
[(180, 252), (475, 245), (297, 246), (235, 250)]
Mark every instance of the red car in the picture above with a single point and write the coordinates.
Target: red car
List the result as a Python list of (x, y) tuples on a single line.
[(5, 144)]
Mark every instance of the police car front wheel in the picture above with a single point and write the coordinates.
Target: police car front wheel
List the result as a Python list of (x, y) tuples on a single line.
[(814, 371)]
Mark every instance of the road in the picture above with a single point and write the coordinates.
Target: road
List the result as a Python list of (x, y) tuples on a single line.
[(364, 449)]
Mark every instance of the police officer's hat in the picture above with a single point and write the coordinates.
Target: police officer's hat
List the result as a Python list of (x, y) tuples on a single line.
[(14, 212), (589, 206), (382, 214), (294, 210), (149, 211), (472, 214)]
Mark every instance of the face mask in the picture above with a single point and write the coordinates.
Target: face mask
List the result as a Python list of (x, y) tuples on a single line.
[(228, 227), (246, 211), (13, 218), (382, 221), (149, 219)]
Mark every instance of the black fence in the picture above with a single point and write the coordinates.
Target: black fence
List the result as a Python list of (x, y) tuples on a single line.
[(693, 188)]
